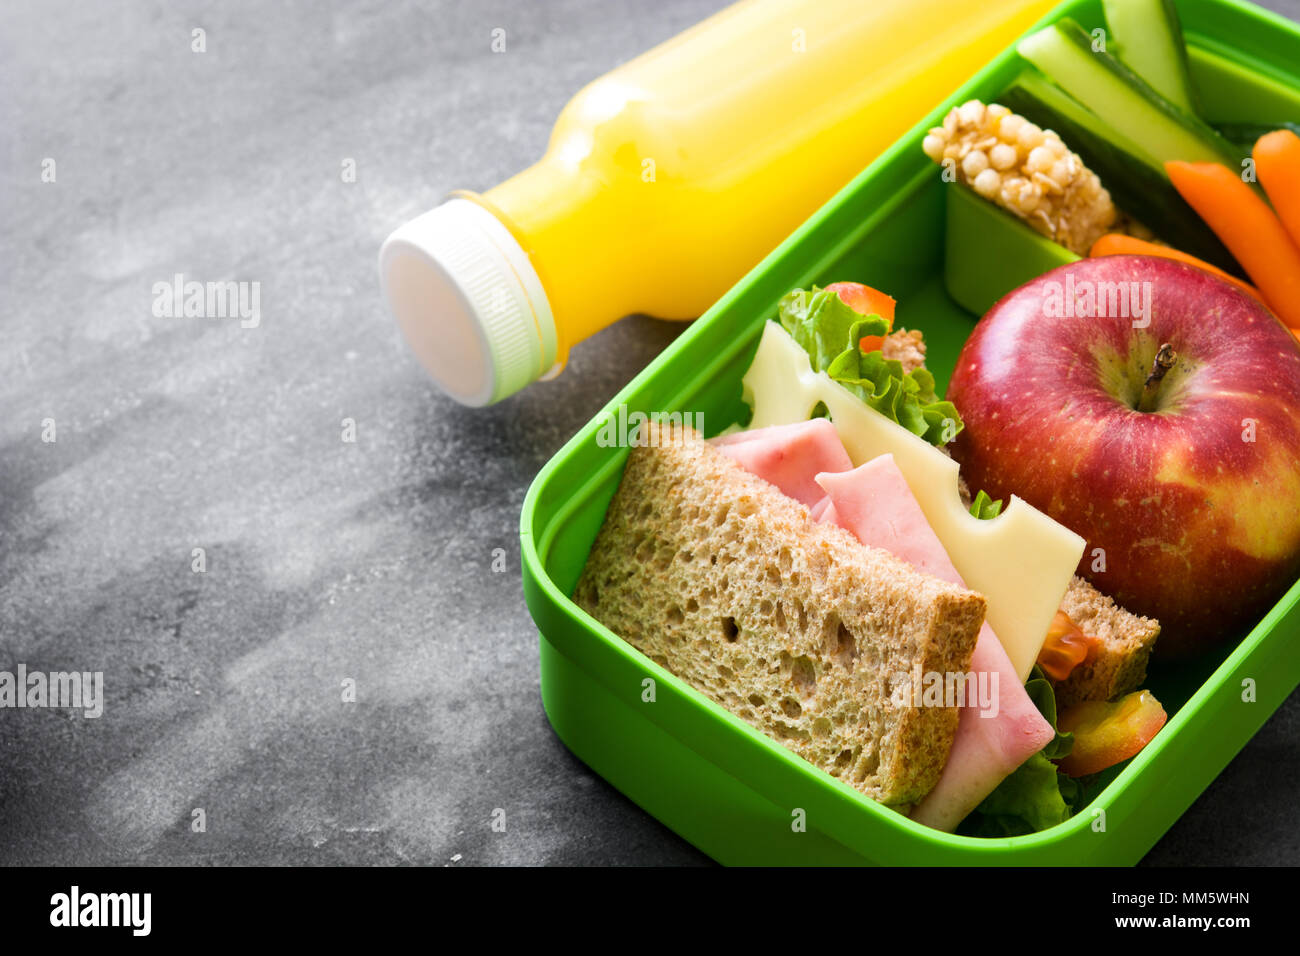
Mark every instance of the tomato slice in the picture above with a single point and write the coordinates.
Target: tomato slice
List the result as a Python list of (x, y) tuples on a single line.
[(868, 301), (1065, 648), (1107, 733)]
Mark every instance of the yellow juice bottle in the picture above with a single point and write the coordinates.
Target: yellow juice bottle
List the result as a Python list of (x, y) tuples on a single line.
[(667, 179)]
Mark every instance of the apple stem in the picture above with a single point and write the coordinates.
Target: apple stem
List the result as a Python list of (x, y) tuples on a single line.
[(1166, 357)]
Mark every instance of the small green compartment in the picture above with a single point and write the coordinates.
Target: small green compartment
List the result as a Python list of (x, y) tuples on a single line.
[(726, 787)]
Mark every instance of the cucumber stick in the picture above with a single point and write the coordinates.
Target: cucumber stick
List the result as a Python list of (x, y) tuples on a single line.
[(1147, 38), (1245, 135), (1120, 97), (1136, 181)]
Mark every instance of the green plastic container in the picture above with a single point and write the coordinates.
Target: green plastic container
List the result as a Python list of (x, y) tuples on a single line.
[(724, 786)]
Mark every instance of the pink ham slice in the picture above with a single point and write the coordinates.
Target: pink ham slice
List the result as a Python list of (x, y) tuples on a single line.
[(789, 456), (823, 511), (874, 502)]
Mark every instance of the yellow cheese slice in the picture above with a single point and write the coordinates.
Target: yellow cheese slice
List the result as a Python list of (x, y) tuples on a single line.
[(1021, 561)]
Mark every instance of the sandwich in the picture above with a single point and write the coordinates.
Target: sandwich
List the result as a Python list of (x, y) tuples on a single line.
[(791, 624), (797, 581)]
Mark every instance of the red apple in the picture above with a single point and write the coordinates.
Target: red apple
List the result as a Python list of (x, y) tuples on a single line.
[(1189, 486)]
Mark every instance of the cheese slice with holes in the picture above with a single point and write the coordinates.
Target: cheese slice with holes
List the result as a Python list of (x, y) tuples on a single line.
[(1021, 561)]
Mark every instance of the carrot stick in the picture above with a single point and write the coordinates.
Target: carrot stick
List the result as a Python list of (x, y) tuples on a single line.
[(1118, 244), (1277, 164), (1250, 230)]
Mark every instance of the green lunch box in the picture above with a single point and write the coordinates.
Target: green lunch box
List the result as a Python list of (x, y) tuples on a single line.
[(741, 797)]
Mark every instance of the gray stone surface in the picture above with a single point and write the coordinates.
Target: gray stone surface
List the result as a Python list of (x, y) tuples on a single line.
[(326, 561)]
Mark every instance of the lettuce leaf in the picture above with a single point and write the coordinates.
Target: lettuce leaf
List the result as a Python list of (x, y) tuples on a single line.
[(1035, 796), (984, 508), (830, 331), (1027, 801), (1041, 692)]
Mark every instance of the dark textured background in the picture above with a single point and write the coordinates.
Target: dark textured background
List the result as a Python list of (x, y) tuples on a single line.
[(326, 560)]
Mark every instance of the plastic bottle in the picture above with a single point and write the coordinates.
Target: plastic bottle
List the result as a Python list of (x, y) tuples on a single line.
[(670, 177)]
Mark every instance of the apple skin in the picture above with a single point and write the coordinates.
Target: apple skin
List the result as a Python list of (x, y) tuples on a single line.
[(1200, 527)]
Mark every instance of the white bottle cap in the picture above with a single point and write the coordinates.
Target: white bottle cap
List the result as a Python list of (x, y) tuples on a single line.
[(469, 301)]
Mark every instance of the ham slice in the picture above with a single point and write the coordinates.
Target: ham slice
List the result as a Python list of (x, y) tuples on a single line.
[(789, 456), (823, 511), (875, 503)]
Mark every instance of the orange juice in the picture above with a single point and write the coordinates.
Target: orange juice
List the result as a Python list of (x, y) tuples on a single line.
[(670, 177)]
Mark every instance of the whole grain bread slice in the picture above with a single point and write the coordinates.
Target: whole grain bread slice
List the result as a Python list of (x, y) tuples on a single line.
[(794, 626), (1118, 664)]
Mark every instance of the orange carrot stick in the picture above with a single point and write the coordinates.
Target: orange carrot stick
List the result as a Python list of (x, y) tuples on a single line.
[(1277, 165), (1250, 230), (1118, 244)]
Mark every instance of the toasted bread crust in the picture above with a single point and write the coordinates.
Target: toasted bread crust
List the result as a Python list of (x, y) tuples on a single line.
[(793, 626), (1125, 641)]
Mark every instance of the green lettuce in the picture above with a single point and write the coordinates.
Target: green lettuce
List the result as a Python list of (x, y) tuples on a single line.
[(1027, 801), (830, 331), (1041, 692), (1035, 796), (984, 507)]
